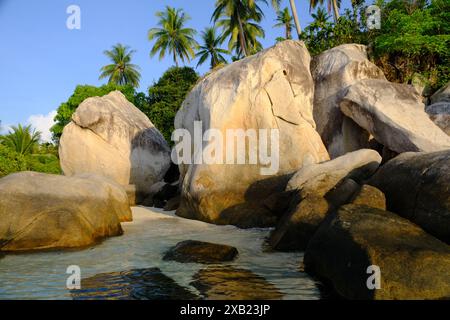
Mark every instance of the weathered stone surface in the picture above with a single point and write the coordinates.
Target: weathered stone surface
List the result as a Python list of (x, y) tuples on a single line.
[(413, 264), (139, 284), (109, 136), (371, 197), (417, 187), (201, 252), (394, 114), (439, 113), (321, 188), (442, 95), (270, 90), (230, 283), (318, 179), (334, 70), (41, 211)]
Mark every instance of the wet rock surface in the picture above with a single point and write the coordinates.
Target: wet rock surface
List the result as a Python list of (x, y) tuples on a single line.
[(201, 252), (230, 283), (138, 284)]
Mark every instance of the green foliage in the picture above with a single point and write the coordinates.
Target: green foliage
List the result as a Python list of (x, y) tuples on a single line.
[(121, 72), (172, 36), (166, 97), (39, 157), (11, 161), (21, 139), (210, 48), (67, 109), (415, 38)]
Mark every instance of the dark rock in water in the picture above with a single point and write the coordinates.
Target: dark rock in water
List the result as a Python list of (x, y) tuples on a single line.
[(172, 204), (417, 187), (201, 252), (412, 264), (230, 283), (139, 284)]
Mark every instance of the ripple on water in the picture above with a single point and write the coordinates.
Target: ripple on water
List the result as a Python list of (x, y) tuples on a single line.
[(43, 275)]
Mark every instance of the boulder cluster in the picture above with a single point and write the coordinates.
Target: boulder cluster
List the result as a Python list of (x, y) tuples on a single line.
[(363, 177)]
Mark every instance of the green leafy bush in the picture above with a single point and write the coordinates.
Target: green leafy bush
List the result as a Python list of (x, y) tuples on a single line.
[(166, 96), (11, 161), (67, 109)]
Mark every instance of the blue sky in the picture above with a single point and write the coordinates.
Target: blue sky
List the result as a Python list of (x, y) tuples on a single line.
[(41, 61)]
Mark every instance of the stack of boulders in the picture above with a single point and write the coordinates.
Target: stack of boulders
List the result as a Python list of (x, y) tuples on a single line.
[(111, 155), (361, 179), (364, 168)]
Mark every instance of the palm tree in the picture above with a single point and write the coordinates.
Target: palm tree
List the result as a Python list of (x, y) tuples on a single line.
[(211, 48), (235, 14), (285, 19), (320, 18), (335, 4), (173, 37), (21, 139), (297, 21), (244, 45), (121, 71), (239, 20)]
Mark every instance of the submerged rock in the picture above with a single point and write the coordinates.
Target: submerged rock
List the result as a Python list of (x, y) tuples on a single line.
[(334, 70), (412, 264), (139, 284), (230, 283), (417, 187), (43, 211), (270, 90), (201, 252), (394, 114), (109, 136)]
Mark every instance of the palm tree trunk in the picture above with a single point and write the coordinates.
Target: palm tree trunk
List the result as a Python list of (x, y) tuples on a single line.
[(288, 31), (242, 36), (335, 10), (297, 22), (175, 59)]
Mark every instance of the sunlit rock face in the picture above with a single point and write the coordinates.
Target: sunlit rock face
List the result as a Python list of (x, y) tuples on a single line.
[(271, 90), (394, 114), (44, 211), (334, 70), (111, 137)]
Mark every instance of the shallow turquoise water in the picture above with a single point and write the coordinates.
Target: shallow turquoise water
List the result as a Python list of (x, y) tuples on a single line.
[(43, 275)]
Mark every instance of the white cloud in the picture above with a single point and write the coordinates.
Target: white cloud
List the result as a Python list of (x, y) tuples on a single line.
[(43, 123)]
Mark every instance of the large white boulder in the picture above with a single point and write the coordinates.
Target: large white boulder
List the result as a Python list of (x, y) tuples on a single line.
[(109, 136), (44, 211), (394, 114), (271, 90), (334, 70)]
